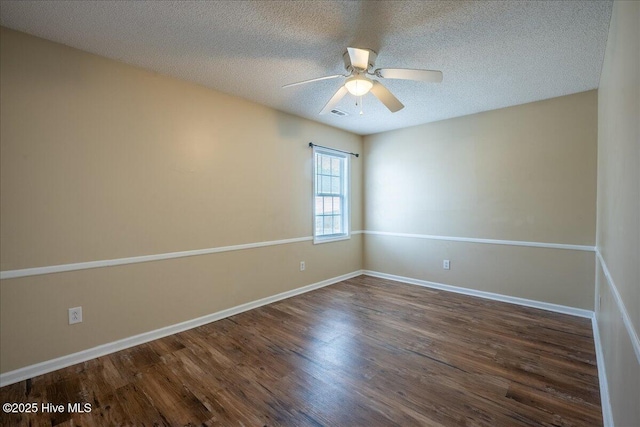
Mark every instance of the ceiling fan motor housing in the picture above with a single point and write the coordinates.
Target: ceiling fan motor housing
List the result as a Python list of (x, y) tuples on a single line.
[(347, 60)]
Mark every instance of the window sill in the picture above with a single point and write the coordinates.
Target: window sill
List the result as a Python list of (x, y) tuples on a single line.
[(317, 241)]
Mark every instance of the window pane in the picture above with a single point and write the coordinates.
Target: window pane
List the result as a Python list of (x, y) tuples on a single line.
[(328, 225), (326, 205), (319, 205), (335, 185), (335, 166), (319, 226), (337, 224), (336, 205), (326, 184), (326, 165)]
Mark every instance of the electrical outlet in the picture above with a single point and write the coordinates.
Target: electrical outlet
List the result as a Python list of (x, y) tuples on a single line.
[(75, 315), (445, 264), (302, 266)]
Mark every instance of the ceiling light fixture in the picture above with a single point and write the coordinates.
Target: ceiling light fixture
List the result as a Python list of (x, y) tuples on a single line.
[(358, 85)]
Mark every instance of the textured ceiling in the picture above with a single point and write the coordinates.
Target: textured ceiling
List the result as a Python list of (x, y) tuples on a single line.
[(493, 54)]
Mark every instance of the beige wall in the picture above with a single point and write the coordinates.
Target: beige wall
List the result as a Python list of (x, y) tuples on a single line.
[(524, 173), (618, 235), (123, 301), (100, 160), (548, 275)]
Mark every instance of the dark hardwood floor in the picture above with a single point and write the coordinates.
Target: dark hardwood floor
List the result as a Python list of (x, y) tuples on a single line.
[(363, 352)]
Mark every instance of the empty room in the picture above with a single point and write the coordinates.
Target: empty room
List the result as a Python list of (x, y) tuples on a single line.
[(320, 213)]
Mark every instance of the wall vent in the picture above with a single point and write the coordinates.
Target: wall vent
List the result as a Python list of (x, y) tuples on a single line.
[(337, 112)]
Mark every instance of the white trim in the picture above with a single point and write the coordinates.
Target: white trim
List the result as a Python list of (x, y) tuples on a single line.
[(631, 330), (41, 368), (12, 274), (605, 403), (483, 294), (35, 271), (488, 241), (345, 184)]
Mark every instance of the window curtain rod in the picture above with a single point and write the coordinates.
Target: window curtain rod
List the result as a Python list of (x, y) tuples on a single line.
[(311, 144)]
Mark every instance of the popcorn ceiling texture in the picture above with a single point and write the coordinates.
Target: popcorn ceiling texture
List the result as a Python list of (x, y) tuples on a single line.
[(492, 54)]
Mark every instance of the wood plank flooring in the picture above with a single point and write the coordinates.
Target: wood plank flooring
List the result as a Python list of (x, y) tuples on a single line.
[(363, 352)]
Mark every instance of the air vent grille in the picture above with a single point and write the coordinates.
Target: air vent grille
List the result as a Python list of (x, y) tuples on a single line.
[(340, 113)]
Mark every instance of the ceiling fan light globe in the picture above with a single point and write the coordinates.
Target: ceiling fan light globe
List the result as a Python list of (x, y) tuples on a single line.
[(358, 86)]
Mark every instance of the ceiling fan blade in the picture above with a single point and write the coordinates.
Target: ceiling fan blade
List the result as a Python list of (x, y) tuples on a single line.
[(313, 80), (386, 97), (334, 99), (359, 57), (409, 74)]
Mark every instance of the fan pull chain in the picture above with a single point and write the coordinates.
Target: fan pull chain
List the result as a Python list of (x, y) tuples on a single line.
[(361, 113)]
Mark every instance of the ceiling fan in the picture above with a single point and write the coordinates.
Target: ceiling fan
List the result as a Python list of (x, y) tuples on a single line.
[(360, 63)]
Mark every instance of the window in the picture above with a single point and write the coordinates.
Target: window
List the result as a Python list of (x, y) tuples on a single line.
[(331, 195)]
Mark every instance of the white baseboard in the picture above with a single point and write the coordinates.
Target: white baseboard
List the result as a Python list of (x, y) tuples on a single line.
[(607, 414), (488, 295), (31, 371)]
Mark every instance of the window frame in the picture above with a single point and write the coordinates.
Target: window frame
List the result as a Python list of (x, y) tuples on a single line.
[(345, 195)]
